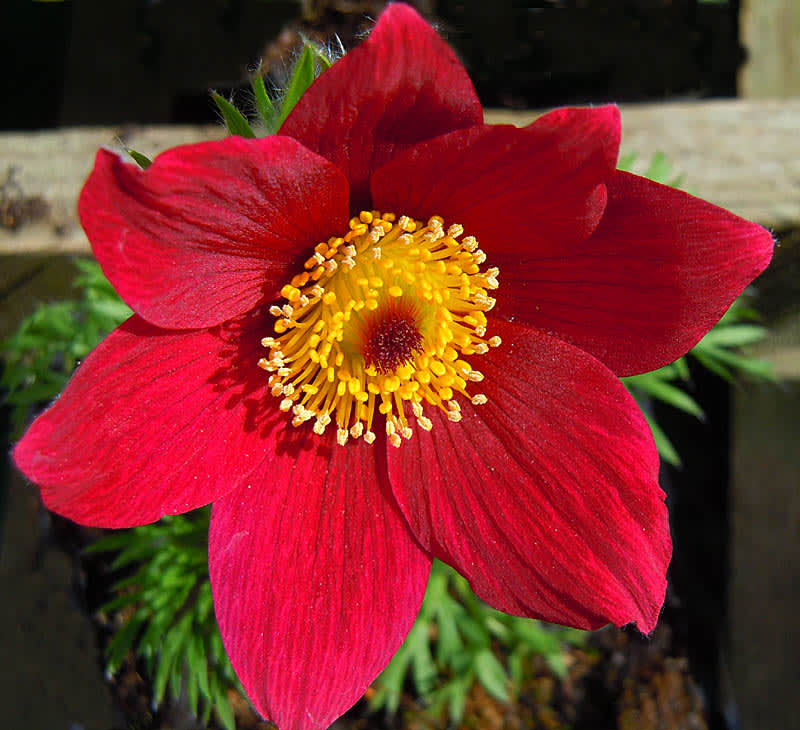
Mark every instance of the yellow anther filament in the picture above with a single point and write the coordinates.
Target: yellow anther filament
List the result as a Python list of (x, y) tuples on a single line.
[(381, 321)]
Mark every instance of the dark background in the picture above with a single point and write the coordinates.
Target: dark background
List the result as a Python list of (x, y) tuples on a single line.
[(94, 61)]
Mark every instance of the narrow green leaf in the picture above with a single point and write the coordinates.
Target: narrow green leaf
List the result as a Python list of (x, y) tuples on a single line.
[(710, 363), (266, 110), (659, 168), (736, 335), (665, 448), (302, 78), (516, 668), (122, 643), (222, 706), (162, 674), (473, 631), (322, 57), (198, 664), (448, 640), (753, 366), (557, 665), (423, 668), (458, 696), (491, 674), (234, 121), (537, 637), (142, 160), (192, 691), (627, 161), (663, 391)]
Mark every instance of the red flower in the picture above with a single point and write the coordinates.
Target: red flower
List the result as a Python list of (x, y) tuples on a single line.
[(522, 460)]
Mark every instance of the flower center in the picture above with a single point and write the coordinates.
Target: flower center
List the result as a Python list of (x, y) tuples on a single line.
[(381, 318)]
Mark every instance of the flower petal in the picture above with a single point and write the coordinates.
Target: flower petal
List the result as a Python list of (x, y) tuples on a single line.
[(656, 275), (526, 192), (546, 498), (316, 579), (401, 86), (153, 422), (210, 229)]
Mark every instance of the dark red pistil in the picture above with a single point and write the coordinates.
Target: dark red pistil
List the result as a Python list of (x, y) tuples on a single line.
[(390, 340)]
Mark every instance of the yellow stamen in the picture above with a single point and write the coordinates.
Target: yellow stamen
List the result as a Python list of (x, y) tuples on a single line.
[(380, 318)]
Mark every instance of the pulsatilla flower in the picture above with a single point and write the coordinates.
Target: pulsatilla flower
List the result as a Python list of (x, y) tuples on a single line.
[(387, 334)]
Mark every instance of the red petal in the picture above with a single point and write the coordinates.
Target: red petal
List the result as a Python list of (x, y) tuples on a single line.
[(153, 423), (546, 498), (401, 86), (316, 579), (526, 192), (210, 229), (656, 275)]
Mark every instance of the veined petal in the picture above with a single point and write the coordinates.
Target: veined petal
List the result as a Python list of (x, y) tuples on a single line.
[(401, 86), (316, 579), (657, 274), (154, 422), (209, 229), (546, 497), (527, 192)]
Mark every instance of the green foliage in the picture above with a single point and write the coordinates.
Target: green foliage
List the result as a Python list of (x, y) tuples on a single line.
[(457, 640), (142, 160), (271, 112), (41, 355), (233, 118), (659, 169), (301, 78), (266, 109), (165, 596)]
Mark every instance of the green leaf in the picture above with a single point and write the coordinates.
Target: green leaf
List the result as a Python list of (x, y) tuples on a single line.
[(557, 665), (474, 631), (222, 706), (448, 640), (626, 161), (192, 692), (234, 121), (491, 674), (735, 335), (266, 110), (122, 643), (302, 78), (752, 366), (516, 667), (142, 160), (198, 664), (423, 668), (665, 448), (459, 688), (537, 636), (654, 386)]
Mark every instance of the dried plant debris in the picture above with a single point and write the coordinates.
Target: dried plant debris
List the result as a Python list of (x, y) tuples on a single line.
[(16, 208)]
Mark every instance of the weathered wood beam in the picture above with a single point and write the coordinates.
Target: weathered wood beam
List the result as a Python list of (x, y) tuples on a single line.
[(743, 155)]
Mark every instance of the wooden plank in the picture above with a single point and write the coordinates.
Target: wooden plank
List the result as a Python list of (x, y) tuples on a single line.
[(743, 155), (763, 597), (54, 165), (770, 33)]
